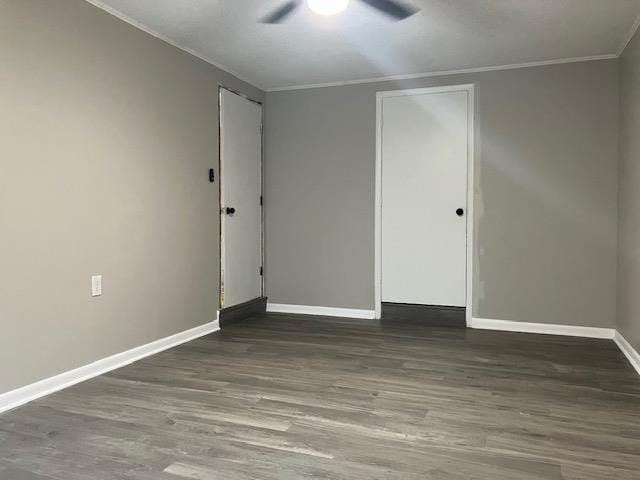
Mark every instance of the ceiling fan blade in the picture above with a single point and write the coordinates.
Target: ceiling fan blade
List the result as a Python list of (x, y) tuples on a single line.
[(392, 8), (280, 14)]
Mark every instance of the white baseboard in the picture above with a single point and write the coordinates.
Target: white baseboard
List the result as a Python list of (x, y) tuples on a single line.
[(26, 394), (322, 311), (632, 355), (543, 328), (23, 395)]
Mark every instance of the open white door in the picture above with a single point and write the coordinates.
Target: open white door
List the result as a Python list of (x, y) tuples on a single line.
[(424, 154), (240, 199)]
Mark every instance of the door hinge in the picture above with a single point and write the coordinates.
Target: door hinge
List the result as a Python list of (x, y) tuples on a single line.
[(260, 200), (261, 271), (212, 175)]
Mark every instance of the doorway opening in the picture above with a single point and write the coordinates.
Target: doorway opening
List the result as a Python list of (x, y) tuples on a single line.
[(424, 227), (241, 205)]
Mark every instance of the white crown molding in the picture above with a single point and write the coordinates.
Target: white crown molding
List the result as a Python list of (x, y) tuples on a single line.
[(632, 355), (150, 31), (321, 311), (28, 393), (627, 40), (125, 18), (542, 328), (441, 73)]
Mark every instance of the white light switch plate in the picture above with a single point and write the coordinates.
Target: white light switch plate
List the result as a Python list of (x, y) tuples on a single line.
[(96, 285)]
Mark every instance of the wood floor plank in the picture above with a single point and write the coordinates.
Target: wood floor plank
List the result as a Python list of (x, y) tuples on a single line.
[(292, 397)]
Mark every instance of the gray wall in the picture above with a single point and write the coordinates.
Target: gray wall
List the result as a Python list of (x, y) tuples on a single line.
[(107, 137), (546, 183), (629, 196)]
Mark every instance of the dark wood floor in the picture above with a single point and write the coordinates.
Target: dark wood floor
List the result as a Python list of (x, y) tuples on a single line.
[(290, 397)]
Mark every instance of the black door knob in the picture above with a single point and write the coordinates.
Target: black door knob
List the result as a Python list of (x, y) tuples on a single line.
[(460, 212), (230, 210)]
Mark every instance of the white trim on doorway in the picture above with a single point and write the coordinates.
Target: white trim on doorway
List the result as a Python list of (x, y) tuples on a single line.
[(470, 189)]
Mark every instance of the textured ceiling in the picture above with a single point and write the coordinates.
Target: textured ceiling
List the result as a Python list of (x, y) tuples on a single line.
[(360, 43)]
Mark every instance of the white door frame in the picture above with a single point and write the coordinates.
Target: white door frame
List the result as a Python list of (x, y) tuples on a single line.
[(220, 176), (470, 189)]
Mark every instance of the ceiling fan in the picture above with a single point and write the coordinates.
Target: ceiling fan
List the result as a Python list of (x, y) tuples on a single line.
[(392, 8)]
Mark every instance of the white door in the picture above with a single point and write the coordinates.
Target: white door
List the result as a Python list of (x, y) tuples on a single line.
[(424, 198), (240, 199)]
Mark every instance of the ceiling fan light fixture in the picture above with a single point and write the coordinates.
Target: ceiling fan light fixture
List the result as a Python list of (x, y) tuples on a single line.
[(328, 7)]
